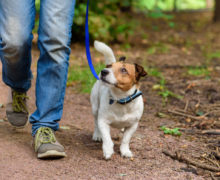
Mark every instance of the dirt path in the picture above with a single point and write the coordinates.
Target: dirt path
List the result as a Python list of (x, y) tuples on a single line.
[(85, 161), (173, 51)]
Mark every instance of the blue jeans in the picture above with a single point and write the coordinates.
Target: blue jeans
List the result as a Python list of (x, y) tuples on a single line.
[(17, 19)]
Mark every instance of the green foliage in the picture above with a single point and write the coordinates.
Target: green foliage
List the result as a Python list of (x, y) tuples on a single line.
[(198, 71), (213, 55), (171, 24), (166, 93), (161, 87), (161, 115), (112, 20), (37, 5), (174, 131), (158, 48), (154, 72), (199, 113), (106, 22), (189, 4), (82, 78), (168, 5), (159, 14)]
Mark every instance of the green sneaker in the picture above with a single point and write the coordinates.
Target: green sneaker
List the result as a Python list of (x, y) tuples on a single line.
[(16, 109), (46, 145)]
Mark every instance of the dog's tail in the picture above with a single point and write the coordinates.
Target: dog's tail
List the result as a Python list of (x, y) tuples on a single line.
[(106, 51)]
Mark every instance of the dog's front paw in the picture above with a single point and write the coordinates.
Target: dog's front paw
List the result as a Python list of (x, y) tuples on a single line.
[(108, 154), (108, 151), (96, 137), (126, 152)]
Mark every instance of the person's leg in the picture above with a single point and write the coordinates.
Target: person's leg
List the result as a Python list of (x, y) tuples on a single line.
[(16, 24), (56, 17)]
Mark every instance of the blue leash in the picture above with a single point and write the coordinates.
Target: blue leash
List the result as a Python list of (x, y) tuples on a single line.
[(87, 43)]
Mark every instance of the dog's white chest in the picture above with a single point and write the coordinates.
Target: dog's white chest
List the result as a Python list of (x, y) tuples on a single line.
[(120, 116)]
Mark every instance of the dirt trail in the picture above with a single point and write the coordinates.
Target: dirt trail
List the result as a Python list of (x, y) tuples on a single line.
[(175, 50), (85, 160)]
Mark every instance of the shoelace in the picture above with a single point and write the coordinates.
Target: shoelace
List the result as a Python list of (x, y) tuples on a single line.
[(46, 135), (18, 102)]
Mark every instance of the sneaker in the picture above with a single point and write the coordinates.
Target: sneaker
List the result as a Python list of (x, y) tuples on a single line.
[(46, 145), (16, 109)]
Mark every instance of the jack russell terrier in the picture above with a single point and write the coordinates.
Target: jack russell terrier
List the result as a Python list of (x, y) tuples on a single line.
[(116, 101)]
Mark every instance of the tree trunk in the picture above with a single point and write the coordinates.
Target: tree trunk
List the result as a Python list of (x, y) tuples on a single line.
[(126, 5), (175, 5), (217, 11)]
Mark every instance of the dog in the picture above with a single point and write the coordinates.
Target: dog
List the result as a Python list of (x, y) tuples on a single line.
[(116, 101)]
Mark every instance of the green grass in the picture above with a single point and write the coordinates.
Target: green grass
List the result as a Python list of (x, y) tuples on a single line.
[(153, 72), (214, 55), (198, 71), (159, 48), (167, 93), (161, 85), (174, 131), (82, 78)]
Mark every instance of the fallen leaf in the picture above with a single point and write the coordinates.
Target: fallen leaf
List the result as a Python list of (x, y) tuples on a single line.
[(218, 173), (204, 155), (184, 146), (161, 115), (144, 41), (190, 86), (188, 120)]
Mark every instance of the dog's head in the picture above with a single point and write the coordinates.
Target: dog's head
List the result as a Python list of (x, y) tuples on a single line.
[(122, 75)]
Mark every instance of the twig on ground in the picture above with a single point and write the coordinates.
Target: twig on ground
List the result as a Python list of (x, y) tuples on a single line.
[(180, 110), (184, 114), (181, 158), (186, 106), (212, 132), (212, 161), (212, 176), (197, 104), (211, 108), (211, 111), (216, 154), (214, 105)]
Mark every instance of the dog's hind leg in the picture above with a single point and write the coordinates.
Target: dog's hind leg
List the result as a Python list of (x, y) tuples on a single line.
[(124, 148), (94, 99), (96, 135)]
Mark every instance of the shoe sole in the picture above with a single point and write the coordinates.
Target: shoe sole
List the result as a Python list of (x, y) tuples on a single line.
[(51, 154), (19, 127)]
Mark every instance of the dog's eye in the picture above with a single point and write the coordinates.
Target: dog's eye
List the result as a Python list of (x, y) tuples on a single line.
[(124, 71)]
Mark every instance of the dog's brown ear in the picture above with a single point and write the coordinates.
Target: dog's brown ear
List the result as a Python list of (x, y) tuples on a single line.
[(139, 72), (122, 58)]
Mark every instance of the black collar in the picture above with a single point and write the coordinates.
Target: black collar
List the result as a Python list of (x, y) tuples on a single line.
[(127, 99)]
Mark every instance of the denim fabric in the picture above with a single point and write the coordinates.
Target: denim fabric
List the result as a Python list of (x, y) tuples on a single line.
[(16, 24)]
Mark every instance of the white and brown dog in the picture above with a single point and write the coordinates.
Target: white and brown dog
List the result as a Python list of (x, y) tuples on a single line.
[(116, 101)]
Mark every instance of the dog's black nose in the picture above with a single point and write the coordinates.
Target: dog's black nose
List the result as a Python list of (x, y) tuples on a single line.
[(104, 72)]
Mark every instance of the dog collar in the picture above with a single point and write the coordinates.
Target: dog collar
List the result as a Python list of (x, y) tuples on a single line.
[(127, 99)]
